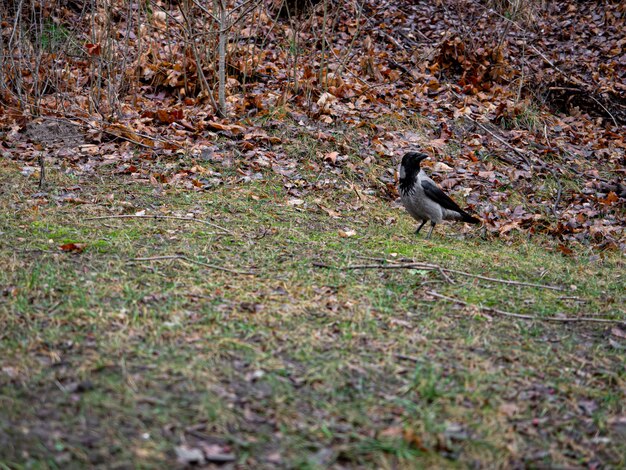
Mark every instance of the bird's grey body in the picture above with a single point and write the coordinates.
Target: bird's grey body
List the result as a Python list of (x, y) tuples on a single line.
[(420, 206), (423, 199)]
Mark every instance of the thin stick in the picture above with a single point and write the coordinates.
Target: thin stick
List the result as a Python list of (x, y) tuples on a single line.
[(522, 316), (501, 140), (136, 142), (448, 279), (503, 281), (357, 193), (185, 258), (555, 208), (406, 358), (607, 111), (440, 269), (42, 171), (378, 266), (189, 219), (200, 296)]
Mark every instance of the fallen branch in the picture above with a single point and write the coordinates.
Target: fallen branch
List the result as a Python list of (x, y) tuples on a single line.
[(522, 316), (447, 278), (173, 217), (42, 171), (559, 192), (504, 281), (201, 296), (102, 128), (407, 358), (200, 263), (378, 266), (441, 269)]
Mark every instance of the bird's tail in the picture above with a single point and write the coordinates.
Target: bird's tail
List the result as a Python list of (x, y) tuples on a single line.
[(465, 217)]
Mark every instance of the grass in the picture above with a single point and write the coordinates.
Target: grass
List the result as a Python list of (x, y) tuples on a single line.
[(110, 362)]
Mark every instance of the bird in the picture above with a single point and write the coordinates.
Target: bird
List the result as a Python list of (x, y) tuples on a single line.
[(423, 199)]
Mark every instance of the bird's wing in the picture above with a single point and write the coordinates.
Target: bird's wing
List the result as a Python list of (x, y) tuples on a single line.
[(434, 193)]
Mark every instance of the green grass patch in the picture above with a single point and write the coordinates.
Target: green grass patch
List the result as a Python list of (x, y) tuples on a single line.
[(113, 355)]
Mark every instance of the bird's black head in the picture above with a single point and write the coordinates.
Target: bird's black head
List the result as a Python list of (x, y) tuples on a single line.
[(409, 168), (411, 164)]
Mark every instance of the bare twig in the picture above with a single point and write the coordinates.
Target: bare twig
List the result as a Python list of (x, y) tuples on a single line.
[(377, 266), (604, 107), (173, 217), (447, 278), (569, 77), (574, 80), (503, 281), (572, 297), (186, 258), (42, 171), (441, 269), (357, 193), (203, 81), (404, 357), (559, 192), (519, 152), (522, 316), (356, 35), (200, 296), (102, 128), (424, 266)]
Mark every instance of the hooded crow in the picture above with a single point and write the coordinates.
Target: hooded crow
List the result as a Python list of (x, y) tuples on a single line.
[(423, 199)]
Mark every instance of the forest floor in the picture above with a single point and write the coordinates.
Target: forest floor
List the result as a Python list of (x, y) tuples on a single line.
[(139, 342)]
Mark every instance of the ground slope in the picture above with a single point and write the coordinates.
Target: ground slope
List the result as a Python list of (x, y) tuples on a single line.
[(111, 357)]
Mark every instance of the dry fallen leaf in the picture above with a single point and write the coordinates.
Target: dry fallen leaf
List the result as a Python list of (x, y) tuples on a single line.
[(565, 250), (619, 331), (509, 409), (442, 167), (331, 157), (610, 199), (73, 247), (332, 213), (217, 126)]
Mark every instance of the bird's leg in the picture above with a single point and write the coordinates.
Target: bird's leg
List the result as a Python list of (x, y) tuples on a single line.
[(420, 227), (432, 226)]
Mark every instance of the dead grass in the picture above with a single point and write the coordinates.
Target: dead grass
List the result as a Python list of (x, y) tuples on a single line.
[(105, 362)]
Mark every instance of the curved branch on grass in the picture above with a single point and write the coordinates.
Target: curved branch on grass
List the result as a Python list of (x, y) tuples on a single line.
[(193, 261), (172, 217), (523, 316), (441, 269)]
